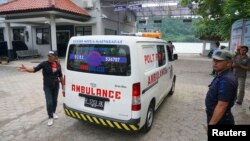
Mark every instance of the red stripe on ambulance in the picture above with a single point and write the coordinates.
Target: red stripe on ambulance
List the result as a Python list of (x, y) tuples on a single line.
[(155, 76)]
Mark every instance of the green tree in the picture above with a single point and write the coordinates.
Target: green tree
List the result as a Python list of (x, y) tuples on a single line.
[(174, 29), (233, 11), (218, 16)]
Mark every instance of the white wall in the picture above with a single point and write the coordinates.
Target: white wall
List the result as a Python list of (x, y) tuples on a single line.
[(117, 20), (108, 18), (42, 49), (28, 40), (186, 47), (26, 27)]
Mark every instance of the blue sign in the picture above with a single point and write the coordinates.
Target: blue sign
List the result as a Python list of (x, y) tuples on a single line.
[(135, 7), (121, 8), (94, 58)]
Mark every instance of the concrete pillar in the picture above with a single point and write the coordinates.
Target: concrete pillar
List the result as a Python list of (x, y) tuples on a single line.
[(9, 41), (243, 32), (53, 33), (99, 23), (204, 47), (118, 22)]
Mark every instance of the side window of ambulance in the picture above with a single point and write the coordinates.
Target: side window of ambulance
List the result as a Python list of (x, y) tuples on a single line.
[(99, 59), (161, 55), (149, 57)]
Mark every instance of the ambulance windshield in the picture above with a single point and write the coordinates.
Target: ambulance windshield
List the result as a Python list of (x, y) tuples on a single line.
[(99, 59)]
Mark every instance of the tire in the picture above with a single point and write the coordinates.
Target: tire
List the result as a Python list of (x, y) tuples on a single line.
[(171, 92), (149, 119)]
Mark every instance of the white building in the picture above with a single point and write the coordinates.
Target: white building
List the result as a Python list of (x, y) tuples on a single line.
[(48, 24)]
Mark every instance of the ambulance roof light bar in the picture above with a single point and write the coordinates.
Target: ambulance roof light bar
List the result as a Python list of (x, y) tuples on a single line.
[(145, 34)]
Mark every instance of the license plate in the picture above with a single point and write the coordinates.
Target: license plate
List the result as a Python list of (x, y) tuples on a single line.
[(94, 103)]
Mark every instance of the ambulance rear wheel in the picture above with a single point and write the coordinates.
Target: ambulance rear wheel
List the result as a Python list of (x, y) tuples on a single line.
[(149, 118)]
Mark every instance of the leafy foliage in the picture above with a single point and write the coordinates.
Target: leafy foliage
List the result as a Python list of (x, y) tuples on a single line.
[(208, 30), (218, 16), (174, 29)]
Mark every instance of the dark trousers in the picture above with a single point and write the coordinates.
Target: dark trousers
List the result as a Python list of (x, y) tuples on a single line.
[(51, 94), (227, 119)]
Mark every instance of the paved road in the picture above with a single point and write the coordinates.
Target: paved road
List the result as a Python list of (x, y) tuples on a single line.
[(180, 118)]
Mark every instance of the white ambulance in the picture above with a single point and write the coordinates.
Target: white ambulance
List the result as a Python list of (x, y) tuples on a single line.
[(117, 81)]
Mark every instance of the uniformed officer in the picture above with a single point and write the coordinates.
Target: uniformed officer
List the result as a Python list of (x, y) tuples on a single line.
[(222, 90), (241, 64)]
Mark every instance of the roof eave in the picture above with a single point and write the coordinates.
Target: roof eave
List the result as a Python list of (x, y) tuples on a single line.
[(43, 12)]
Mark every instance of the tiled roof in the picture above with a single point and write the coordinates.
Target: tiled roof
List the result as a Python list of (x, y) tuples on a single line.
[(17, 6)]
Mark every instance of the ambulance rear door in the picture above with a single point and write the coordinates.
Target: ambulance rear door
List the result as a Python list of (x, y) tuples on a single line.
[(98, 80)]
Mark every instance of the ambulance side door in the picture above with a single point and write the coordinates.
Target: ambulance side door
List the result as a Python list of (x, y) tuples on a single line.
[(150, 83), (164, 79)]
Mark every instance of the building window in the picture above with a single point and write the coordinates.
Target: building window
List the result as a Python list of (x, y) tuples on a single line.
[(18, 34), (42, 36), (83, 30), (110, 32), (142, 22), (1, 35)]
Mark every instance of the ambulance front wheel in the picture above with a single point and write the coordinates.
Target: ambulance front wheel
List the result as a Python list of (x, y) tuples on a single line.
[(173, 86), (149, 119)]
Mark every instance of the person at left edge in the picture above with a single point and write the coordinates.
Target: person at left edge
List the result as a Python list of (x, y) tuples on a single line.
[(52, 74), (222, 91)]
